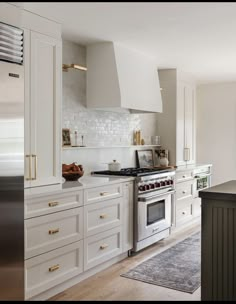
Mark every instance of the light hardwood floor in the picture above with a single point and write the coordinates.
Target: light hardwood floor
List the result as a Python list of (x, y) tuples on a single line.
[(109, 285)]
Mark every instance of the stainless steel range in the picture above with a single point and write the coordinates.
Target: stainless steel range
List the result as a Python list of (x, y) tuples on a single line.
[(153, 199)]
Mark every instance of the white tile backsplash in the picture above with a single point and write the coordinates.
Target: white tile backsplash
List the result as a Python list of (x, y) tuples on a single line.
[(99, 128)]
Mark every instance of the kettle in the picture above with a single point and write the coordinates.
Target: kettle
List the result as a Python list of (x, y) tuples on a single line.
[(114, 166)]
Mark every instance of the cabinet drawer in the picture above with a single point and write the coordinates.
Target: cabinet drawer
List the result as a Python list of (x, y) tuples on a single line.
[(183, 211), (98, 194), (49, 232), (51, 203), (184, 190), (183, 176), (101, 247), (102, 216), (52, 268)]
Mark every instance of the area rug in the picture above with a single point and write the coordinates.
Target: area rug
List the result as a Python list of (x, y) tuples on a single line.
[(178, 267)]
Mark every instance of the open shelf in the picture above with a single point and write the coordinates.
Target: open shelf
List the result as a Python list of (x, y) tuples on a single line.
[(108, 147)]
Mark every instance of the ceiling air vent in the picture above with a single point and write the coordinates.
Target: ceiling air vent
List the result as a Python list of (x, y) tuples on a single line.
[(11, 43)]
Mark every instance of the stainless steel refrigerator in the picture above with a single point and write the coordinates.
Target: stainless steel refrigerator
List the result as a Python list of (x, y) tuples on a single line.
[(11, 163)]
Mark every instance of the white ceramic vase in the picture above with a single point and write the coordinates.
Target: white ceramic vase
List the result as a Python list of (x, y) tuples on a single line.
[(164, 162)]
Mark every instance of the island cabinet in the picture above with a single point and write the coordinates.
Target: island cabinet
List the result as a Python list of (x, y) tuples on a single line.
[(74, 233), (177, 124), (218, 239)]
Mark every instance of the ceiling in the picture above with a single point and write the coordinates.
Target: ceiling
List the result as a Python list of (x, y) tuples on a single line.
[(197, 37)]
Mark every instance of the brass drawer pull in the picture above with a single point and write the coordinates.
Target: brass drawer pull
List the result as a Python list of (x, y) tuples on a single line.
[(184, 176), (30, 165), (104, 193), (53, 204), (53, 231), (184, 212), (53, 268), (103, 216), (184, 191), (103, 246), (35, 166)]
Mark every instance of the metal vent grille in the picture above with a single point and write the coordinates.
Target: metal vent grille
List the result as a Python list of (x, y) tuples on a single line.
[(11, 43)]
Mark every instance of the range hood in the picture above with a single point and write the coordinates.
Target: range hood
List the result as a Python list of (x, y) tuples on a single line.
[(121, 78)]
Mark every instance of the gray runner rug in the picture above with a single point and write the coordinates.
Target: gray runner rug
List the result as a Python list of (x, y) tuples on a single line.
[(178, 267)]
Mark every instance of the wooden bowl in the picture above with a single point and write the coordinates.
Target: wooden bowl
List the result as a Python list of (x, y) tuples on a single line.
[(68, 176)]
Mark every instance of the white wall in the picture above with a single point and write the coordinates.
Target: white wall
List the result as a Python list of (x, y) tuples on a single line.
[(216, 129)]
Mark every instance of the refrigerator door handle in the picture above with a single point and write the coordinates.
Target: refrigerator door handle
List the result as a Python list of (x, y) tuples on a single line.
[(28, 156)]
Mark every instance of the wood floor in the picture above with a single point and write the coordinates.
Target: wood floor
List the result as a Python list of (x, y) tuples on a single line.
[(109, 285)]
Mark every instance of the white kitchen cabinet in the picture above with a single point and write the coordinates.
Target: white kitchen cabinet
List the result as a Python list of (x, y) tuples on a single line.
[(43, 66), (176, 125), (128, 216)]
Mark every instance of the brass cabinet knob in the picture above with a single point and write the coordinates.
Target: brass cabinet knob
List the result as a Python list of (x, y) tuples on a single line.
[(103, 216)]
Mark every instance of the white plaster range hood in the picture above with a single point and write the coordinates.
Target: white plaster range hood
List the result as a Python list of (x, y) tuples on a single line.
[(121, 78)]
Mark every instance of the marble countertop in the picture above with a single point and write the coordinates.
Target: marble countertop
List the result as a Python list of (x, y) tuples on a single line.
[(191, 167), (83, 183), (225, 191)]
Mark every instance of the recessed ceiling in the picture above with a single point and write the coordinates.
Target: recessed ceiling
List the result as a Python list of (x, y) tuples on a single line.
[(196, 37)]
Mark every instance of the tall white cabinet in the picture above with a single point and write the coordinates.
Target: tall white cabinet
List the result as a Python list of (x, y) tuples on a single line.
[(177, 123), (43, 68)]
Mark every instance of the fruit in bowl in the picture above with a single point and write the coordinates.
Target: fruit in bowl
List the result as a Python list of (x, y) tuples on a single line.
[(72, 172)]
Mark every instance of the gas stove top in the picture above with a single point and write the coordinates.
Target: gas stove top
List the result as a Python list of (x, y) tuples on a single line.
[(133, 171)]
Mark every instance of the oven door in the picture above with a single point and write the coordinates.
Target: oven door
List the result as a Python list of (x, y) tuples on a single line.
[(154, 214)]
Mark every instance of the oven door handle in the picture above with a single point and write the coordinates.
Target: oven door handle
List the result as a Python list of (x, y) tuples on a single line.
[(149, 198)]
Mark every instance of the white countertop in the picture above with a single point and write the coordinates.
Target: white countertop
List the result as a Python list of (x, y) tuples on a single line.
[(191, 167), (83, 183)]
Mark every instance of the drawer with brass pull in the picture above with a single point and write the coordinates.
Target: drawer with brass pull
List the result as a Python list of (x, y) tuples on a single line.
[(184, 190), (51, 231), (101, 193), (182, 176), (101, 216), (50, 269), (45, 204), (183, 210), (101, 247)]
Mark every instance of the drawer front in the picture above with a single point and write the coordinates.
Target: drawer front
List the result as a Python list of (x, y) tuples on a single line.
[(102, 216), (183, 211), (184, 190), (50, 269), (98, 194), (52, 203), (49, 232), (101, 247), (184, 176)]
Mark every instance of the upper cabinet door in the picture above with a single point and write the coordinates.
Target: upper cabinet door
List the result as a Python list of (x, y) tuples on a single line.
[(45, 102), (189, 105), (180, 124)]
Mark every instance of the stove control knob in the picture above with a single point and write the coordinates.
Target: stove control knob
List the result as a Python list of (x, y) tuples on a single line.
[(168, 182), (147, 187), (157, 185), (162, 183), (141, 188), (152, 186), (171, 182)]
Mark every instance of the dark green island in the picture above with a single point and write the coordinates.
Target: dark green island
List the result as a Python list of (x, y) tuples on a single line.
[(218, 241)]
